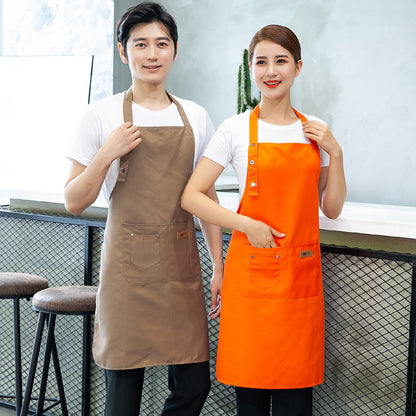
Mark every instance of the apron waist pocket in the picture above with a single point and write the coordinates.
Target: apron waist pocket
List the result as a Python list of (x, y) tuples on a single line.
[(287, 272), (159, 252)]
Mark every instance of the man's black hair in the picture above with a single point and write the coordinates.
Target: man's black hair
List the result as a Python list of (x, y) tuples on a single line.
[(146, 12)]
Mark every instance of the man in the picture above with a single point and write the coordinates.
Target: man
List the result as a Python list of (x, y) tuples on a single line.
[(140, 147)]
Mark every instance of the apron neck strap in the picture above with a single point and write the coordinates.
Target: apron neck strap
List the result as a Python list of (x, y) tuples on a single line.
[(300, 116), (128, 112), (128, 117)]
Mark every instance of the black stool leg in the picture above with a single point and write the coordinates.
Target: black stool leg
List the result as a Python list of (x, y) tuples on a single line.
[(33, 364), (58, 376), (51, 328), (17, 356), (49, 349)]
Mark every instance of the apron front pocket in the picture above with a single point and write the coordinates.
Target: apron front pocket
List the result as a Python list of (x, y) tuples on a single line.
[(142, 257), (264, 273), (144, 249)]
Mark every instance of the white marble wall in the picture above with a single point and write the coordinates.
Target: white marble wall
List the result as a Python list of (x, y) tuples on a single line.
[(359, 64)]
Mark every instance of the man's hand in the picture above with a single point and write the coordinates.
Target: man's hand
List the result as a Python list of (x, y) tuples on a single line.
[(121, 141)]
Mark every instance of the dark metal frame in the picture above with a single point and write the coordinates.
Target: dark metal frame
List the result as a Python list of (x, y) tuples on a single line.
[(90, 224)]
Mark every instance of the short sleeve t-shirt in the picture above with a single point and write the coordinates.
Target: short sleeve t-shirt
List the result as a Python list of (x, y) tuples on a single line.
[(231, 140), (104, 116)]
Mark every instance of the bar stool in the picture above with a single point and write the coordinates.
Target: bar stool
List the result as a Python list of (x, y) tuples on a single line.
[(64, 300), (17, 286)]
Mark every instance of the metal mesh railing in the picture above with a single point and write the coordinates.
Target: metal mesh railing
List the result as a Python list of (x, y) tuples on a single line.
[(368, 300), (368, 308), (54, 251)]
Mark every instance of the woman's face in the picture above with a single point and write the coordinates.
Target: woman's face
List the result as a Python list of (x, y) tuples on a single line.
[(274, 69), (150, 52)]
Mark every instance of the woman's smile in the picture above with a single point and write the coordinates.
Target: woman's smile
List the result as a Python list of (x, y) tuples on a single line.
[(272, 84)]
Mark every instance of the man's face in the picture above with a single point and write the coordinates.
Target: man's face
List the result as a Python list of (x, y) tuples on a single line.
[(149, 52)]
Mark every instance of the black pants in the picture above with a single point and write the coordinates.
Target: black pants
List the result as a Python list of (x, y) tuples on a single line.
[(189, 386), (291, 402)]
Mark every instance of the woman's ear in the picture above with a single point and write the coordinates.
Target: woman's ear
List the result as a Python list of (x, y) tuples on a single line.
[(123, 55), (298, 67)]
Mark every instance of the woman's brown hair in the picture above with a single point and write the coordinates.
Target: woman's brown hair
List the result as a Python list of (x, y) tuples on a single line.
[(280, 35)]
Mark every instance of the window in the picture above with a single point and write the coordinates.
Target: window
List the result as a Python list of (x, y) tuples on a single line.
[(56, 27), (47, 47)]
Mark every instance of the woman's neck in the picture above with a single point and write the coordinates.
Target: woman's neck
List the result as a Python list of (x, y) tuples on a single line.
[(152, 97), (277, 111)]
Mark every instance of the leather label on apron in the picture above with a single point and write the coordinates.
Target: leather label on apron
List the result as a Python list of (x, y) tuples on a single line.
[(182, 234), (306, 253)]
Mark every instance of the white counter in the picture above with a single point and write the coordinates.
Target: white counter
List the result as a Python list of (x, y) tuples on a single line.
[(373, 219)]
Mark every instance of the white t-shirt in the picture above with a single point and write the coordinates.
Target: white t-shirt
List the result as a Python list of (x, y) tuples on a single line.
[(230, 142), (104, 116)]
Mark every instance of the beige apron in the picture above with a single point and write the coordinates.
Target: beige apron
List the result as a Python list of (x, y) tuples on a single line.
[(150, 303)]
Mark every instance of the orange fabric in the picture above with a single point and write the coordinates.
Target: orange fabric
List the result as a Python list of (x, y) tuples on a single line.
[(272, 318)]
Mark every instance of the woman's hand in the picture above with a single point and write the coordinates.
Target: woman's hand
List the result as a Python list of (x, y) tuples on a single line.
[(216, 284), (260, 234), (322, 135), (332, 187)]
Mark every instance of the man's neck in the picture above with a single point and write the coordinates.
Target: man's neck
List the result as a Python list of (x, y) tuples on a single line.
[(152, 97)]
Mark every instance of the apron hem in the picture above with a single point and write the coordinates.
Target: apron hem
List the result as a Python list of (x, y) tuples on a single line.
[(272, 387), (158, 364)]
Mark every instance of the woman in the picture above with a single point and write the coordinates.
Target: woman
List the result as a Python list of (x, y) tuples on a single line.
[(271, 340)]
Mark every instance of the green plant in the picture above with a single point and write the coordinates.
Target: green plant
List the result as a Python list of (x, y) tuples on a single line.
[(244, 100)]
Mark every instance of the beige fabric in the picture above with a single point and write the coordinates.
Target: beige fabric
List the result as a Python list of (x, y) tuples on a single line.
[(150, 303)]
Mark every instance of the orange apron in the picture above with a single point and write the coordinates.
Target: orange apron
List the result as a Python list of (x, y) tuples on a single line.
[(272, 318)]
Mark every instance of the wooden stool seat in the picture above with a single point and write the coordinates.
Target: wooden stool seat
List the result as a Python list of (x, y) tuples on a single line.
[(20, 285), (72, 300)]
